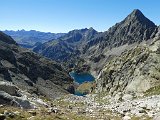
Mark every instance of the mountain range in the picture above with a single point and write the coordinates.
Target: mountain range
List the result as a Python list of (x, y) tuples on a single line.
[(32, 38), (94, 47)]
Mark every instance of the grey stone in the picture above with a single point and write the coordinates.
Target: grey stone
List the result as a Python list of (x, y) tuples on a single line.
[(9, 88)]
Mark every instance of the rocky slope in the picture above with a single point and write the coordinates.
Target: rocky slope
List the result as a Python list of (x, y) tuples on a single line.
[(31, 72), (28, 39), (134, 71)]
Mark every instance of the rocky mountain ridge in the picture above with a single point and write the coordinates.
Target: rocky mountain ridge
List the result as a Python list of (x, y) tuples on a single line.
[(134, 28), (68, 46)]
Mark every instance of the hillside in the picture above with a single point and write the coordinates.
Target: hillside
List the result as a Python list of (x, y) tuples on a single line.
[(31, 72)]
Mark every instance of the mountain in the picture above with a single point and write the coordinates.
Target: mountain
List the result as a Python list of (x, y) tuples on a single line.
[(31, 72), (68, 46), (113, 56), (134, 29), (28, 39), (94, 49), (125, 61), (136, 70)]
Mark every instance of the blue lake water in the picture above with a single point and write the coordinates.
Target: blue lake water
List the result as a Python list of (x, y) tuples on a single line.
[(81, 77), (79, 93)]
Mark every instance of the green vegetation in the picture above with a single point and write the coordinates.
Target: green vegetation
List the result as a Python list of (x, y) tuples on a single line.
[(140, 118), (153, 91), (85, 88), (41, 114)]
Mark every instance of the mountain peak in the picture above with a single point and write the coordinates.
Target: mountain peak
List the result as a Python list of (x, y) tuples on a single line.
[(137, 12), (138, 17)]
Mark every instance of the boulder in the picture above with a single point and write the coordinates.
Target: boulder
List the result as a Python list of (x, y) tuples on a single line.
[(157, 116), (8, 88), (118, 96)]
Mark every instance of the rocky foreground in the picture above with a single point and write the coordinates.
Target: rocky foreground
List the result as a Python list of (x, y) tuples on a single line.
[(124, 107), (92, 106)]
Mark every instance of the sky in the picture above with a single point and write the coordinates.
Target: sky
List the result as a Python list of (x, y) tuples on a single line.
[(65, 15)]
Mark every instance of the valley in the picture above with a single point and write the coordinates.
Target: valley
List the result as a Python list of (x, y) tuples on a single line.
[(83, 74)]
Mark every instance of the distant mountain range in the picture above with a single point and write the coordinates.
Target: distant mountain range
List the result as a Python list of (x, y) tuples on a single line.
[(29, 39)]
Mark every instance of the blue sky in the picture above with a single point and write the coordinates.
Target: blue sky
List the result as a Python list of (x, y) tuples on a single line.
[(66, 15)]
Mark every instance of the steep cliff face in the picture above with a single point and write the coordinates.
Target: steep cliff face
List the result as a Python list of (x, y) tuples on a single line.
[(135, 70), (136, 66), (30, 71)]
